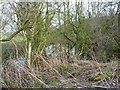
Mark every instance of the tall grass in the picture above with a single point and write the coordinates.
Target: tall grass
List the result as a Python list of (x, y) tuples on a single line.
[(54, 72)]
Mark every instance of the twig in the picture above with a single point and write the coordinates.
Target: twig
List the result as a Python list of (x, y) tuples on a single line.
[(56, 70), (76, 79), (33, 76)]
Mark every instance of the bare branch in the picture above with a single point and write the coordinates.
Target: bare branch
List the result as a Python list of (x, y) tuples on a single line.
[(13, 35)]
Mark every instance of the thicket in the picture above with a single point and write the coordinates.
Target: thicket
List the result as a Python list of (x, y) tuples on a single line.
[(46, 34), (68, 30)]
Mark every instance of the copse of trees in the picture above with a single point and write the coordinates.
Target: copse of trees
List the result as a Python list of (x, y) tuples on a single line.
[(93, 36), (71, 30)]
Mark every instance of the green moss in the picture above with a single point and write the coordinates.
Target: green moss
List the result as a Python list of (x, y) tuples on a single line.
[(116, 62), (36, 87), (51, 82), (107, 72), (99, 77), (64, 69)]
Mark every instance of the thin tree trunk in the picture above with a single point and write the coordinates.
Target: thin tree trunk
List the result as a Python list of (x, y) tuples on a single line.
[(29, 55)]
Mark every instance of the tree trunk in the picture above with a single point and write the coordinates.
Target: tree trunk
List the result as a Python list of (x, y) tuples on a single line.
[(29, 55)]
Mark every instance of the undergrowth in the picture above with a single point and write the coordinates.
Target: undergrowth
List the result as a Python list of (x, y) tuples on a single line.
[(81, 73)]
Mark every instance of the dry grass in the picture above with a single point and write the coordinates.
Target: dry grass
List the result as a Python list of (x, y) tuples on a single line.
[(60, 73)]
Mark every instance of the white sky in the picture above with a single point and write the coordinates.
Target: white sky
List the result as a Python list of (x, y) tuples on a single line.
[(73, 1), (61, 0)]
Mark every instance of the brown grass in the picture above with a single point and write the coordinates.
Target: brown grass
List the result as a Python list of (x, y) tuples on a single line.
[(61, 73)]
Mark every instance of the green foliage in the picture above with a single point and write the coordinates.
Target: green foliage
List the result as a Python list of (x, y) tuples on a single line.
[(98, 77), (35, 87), (51, 82), (64, 26), (115, 62), (107, 72), (64, 69), (12, 50)]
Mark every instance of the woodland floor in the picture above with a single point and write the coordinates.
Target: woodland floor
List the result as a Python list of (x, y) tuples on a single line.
[(60, 74)]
